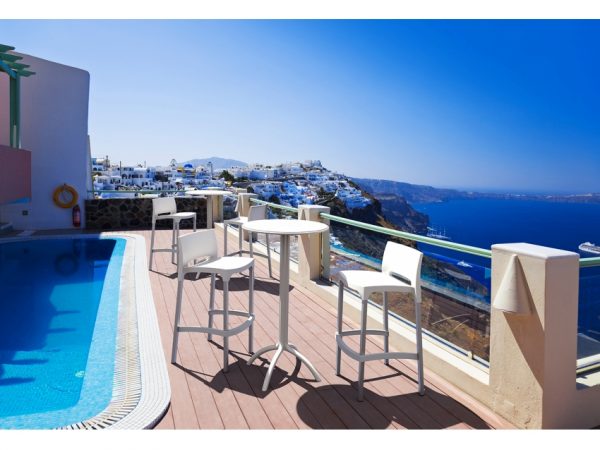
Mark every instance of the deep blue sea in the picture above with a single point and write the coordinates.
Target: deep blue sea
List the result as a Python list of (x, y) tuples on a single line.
[(484, 222)]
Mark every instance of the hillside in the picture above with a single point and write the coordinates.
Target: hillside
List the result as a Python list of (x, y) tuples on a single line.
[(218, 163), (413, 193), (368, 242), (397, 210)]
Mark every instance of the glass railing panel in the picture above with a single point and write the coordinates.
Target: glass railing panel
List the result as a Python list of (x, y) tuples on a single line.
[(455, 293), (229, 206), (588, 324)]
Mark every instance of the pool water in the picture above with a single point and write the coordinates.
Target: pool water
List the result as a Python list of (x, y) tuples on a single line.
[(59, 303)]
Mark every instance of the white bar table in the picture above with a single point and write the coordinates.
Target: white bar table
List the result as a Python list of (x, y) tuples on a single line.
[(209, 193), (284, 228)]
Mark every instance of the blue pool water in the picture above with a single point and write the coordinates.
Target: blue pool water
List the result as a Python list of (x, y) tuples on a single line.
[(58, 320)]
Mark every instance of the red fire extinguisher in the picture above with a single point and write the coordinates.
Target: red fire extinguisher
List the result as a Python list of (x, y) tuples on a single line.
[(76, 216)]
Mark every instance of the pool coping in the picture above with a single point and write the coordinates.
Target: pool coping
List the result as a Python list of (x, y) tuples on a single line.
[(141, 388)]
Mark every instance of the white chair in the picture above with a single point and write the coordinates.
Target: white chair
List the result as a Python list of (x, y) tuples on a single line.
[(400, 272), (202, 246), (166, 208), (258, 212)]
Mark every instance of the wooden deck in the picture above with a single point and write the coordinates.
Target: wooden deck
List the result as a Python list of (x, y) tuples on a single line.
[(203, 397)]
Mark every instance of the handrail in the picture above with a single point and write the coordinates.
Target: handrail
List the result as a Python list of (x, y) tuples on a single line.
[(401, 234), (413, 237), (590, 262), (275, 205)]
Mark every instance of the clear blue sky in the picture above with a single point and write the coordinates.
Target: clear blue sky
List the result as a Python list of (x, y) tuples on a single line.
[(497, 105)]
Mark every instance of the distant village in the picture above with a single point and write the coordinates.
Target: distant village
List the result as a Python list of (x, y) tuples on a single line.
[(290, 184)]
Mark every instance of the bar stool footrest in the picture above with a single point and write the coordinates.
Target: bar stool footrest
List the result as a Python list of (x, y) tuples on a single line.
[(154, 250), (373, 356), (367, 331), (219, 332), (231, 312)]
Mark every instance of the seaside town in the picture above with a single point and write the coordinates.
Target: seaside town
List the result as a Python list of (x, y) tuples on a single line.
[(290, 184)]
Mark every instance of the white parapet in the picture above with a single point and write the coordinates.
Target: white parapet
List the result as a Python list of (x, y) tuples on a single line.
[(313, 255), (533, 339)]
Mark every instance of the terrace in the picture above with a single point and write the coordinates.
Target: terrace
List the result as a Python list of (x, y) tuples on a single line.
[(510, 354), (204, 397)]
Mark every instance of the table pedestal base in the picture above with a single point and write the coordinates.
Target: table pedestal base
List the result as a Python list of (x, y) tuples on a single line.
[(279, 349)]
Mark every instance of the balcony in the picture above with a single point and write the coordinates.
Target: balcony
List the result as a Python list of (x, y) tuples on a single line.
[(479, 359)]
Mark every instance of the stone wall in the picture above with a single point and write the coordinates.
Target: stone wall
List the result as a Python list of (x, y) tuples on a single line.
[(136, 213)]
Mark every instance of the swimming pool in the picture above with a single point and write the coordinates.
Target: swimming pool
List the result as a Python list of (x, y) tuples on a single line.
[(68, 302), (59, 302)]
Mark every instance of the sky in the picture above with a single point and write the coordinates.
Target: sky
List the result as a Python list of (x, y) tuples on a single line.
[(489, 104)]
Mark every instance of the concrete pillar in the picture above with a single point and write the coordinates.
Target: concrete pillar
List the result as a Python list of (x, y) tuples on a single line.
[(244, 205), (533, 350), (217, 205), (313, 249)]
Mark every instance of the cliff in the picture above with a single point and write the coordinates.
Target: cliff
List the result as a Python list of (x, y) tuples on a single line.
[(415, 193), (400, 213), (365, 241)]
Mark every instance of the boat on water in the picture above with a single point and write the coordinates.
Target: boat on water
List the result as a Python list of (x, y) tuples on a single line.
[(333, 240), (437, 234), (590, 248)]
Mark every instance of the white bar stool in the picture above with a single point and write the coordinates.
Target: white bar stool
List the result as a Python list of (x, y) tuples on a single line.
[(400, 272), (255, 213), (202, 245), (166, 208)]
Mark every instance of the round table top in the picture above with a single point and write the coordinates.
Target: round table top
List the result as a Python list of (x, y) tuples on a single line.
[(208, 192), (285, 226)]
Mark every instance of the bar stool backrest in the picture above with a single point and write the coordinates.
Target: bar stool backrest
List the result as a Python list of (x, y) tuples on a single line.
[(164, 205), (199, 245), (257, 213), (405, 263)]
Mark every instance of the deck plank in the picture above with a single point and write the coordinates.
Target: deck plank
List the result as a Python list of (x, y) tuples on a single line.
[(204, 397)]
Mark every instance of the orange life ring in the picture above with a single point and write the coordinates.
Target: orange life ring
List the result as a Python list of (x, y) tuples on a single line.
[(58, 196)]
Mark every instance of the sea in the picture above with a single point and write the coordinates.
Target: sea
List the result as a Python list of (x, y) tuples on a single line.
[(484, 222)]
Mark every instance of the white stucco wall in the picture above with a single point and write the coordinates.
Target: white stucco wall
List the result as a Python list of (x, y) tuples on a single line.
[(54, 127)]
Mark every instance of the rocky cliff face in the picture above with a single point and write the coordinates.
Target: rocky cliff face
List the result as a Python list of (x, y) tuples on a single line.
[(401, 214), (413, 193), (365, 241)]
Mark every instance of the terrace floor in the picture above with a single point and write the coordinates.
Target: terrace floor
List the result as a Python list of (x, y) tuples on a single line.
[(203, 397)]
